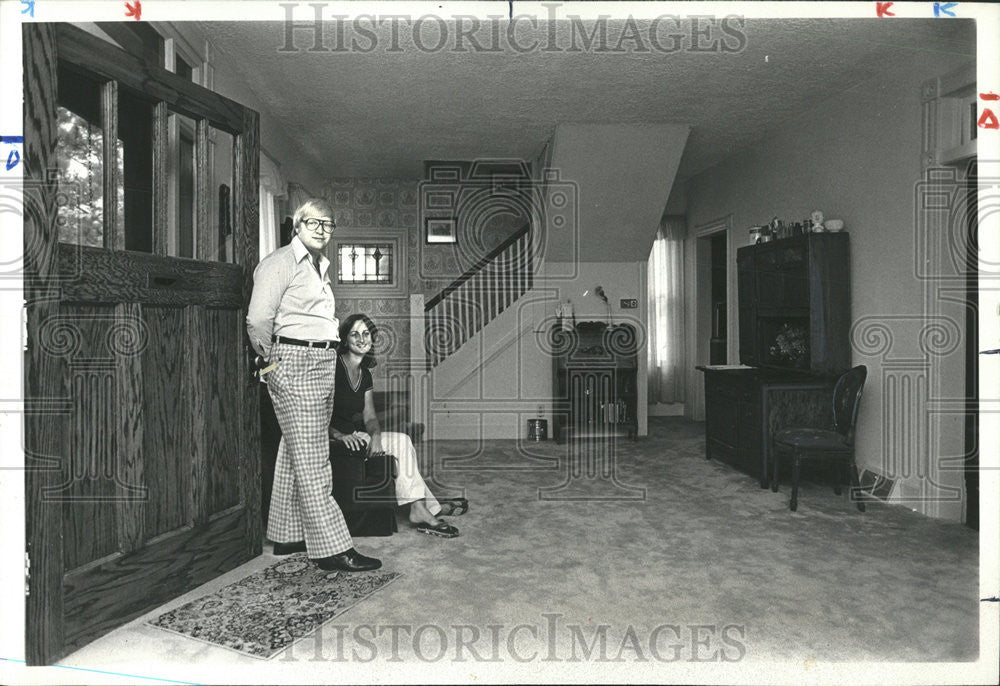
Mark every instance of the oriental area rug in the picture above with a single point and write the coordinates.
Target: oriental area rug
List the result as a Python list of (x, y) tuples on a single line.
[(265, 612)]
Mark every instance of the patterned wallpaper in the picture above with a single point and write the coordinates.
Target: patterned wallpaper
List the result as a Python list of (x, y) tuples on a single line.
[(380, 204)]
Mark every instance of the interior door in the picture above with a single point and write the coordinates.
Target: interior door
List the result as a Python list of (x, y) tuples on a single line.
[(141, 436), (972, 346)]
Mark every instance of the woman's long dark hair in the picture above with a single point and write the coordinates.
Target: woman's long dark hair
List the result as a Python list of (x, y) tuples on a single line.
[(368, 361)]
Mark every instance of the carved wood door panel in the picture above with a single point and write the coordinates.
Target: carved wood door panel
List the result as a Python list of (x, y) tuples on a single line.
[(141, 436)]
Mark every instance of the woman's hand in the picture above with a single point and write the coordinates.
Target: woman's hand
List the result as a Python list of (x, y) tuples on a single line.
[(355, 441)]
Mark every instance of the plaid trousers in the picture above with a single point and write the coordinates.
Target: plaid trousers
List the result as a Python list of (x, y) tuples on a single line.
[(301, 388)]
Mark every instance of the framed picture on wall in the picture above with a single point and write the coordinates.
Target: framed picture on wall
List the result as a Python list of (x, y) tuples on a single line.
[(440, 230)]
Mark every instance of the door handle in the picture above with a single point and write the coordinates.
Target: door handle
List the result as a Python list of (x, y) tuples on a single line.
[(161, 280)]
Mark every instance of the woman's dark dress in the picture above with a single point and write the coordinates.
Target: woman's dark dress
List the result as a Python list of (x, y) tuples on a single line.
[(349, 402)]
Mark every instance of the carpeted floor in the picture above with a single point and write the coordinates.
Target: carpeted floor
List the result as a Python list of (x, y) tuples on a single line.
[(704, 565)]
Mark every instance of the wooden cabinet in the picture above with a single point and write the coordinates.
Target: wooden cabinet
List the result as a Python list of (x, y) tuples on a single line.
[(747, 305), (721, 423), (795, 303), (743, 405), (794, 318), (733, 427), (750, 449), (594, 380)]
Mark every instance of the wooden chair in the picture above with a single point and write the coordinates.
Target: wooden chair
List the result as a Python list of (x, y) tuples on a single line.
[(825, 444)]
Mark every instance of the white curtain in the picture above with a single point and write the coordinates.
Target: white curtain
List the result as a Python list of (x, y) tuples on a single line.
[(297, 194), (665, 304), (272, 186)]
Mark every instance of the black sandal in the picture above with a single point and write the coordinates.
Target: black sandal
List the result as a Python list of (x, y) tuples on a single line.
[(459, 506), (442, 529)]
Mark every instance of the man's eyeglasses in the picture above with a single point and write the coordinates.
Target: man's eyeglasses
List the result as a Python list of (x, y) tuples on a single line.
[(361, 335), (313, 224)]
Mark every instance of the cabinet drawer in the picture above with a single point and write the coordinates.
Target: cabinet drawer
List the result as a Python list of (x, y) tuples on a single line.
[(722, 452), (750, 428), (749, 432), (749, 395), (719, 385), (721, 423)]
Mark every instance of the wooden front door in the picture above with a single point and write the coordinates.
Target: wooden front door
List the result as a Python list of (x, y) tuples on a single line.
[(141, 437)]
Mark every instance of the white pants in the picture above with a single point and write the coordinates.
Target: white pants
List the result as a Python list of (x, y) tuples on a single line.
[(410, 485)]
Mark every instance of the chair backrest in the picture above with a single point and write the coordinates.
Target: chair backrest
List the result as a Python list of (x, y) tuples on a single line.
[(846, 397)]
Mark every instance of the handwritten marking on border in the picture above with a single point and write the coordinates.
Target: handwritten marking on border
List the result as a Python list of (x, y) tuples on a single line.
[(988, 120), (14, 156), (945, 9), (29, 8), (882, 9), (133, 11)]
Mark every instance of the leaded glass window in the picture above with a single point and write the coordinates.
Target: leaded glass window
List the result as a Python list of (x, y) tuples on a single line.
[(365, 263)]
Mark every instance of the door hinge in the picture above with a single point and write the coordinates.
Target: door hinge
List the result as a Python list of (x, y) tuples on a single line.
[(27, 574), (24, 327)]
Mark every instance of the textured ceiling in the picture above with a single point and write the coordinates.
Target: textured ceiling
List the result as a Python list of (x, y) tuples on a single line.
[(383, 113)]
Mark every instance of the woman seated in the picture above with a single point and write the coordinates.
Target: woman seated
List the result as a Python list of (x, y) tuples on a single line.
[(355, 424)]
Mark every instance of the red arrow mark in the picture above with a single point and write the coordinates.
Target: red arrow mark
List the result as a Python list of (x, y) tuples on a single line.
[(137, 10), (989, 96), (882, 9)]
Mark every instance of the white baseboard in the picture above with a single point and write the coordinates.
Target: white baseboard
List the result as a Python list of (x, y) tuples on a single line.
[(666, 409), (448, 426)]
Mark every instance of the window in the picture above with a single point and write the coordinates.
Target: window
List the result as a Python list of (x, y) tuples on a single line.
[(79, 147), (183, 68), (368, 263), (80, 151)]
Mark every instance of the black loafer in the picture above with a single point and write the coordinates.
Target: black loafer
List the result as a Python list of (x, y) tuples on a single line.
[(289, 548), (348, 561)]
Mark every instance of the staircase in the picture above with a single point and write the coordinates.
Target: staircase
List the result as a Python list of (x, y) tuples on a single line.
[(477, 297)]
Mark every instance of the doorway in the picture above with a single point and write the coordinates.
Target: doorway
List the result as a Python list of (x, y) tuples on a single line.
[(715, 274), (718, 342), (972, 346)]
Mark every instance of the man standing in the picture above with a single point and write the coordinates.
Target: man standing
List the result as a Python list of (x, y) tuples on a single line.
[(291, 323)]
